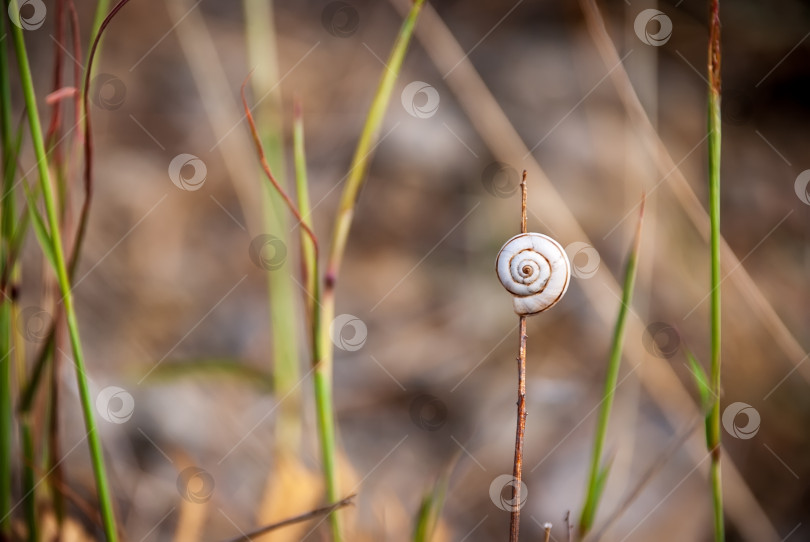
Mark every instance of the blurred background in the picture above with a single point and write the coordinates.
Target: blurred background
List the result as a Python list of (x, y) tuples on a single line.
[(169, 290)]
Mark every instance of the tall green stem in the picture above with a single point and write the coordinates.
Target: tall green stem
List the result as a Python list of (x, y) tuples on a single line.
[(713, 419), (311, 268), (324, 354), (369, 136), (599, 472), (323, 308), (96, 453)]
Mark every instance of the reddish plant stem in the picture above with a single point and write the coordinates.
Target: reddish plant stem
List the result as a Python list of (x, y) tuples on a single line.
[(266, 167), (77, 69), (714, 47), (84, 214)]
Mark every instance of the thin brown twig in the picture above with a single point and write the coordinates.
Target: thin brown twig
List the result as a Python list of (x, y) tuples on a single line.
[(296, 519), (517, 472), (547, 528), (523, 197), (77, 68), (569, 526)]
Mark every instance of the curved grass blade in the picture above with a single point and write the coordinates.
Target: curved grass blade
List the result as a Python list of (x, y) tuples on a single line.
[(322, 352), (218, 368), (598, 473)]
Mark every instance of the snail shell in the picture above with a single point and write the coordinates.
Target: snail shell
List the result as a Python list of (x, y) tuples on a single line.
[(535, 269)]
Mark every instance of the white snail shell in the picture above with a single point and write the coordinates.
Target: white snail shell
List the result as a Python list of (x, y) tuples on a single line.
[(535, 269)]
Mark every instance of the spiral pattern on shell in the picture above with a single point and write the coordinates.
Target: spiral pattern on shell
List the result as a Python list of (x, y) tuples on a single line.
[(535, 269)]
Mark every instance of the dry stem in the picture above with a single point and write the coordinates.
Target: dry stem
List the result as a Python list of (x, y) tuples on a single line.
[(517, 472)]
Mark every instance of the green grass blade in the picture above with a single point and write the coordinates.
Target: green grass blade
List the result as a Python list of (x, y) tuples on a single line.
[(40, 229), (601, 480), (96, 452), (430, 510), (308, 249), (369, 136), (102, 7), (282, 291), (235, 370), (29, 389), (598, 474), (701, 382), (9, 157), (323, 351), (302, 192), (10, 149)]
